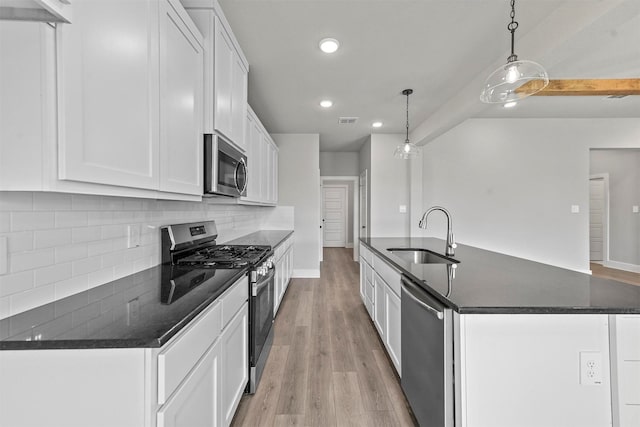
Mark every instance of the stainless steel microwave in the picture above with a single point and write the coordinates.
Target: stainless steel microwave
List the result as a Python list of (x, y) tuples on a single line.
[(225, 168)]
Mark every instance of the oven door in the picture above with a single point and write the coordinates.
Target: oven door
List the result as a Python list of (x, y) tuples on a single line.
[(225, 168), (260, 326)]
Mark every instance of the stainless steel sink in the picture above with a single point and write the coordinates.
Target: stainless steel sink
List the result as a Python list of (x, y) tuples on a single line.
[(421, 256)]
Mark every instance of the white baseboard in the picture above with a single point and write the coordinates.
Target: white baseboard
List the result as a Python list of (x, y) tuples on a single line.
[(349, 245), (622, 266), (306, 274)]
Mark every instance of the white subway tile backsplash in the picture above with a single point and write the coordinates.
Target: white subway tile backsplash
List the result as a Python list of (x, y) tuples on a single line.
[(71, 219), (86, 234), (31, 260), (71, 286), (87, 265), (16, 283), (71, 252), (5, 222), (21, 241), (100, 218), (21, 221), (113, 231), (16, 201), (85, 202), (30, 299), (60, 244), (51, 202), (52, 238), (52, 274)]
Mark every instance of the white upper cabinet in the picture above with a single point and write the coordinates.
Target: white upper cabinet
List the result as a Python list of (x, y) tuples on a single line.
[(109, 94), (90, 98), (262, 164), (36, 10), (181, 105), (226, 73)]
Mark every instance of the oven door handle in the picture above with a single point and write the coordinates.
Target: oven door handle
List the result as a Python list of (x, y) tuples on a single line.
[(264, 281)]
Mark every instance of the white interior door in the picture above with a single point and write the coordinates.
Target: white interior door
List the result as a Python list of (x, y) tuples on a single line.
[(364, 232), (334, 214), (596, 219)]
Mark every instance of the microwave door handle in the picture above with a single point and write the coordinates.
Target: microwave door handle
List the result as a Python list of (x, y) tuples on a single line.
[(240, 164), (215, 157)]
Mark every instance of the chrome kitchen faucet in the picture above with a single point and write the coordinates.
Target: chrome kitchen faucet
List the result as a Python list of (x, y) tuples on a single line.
[(451, 244)]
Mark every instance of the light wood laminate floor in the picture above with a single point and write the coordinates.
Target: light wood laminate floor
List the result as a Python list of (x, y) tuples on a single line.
[(327, 366), (620, 275)]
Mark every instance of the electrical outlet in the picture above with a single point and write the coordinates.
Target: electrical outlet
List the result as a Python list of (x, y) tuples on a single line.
[(133, 236), (590, 368), (575, 209), (403, 209), (635, 209)]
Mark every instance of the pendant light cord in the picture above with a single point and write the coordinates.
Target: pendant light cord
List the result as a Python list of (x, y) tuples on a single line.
[(406, 141), (512, 26)]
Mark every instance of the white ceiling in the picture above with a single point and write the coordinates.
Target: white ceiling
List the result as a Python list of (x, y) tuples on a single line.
[(442, 49)]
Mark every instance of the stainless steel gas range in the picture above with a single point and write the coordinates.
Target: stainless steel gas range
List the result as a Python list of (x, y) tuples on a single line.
[(191, 251)]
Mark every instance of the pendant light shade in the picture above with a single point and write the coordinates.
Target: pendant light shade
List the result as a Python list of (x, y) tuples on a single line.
[(408, 150), (516, 79)]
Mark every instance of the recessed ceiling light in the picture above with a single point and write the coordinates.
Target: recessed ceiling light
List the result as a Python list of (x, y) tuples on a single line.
[(510, 104), (326, 103), (377, 124), (329, 45)]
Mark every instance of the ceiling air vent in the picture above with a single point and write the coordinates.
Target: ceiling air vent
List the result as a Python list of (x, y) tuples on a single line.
[(616, 96), (347, 120)]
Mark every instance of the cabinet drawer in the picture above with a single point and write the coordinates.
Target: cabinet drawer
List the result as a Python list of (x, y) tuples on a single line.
[(369, 290), (368, 272), (180, 356), (366, 254), (233, 299), (388, 274)]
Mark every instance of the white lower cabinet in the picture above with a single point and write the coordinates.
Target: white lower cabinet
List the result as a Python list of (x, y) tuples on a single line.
[(196, 379), (235, 364), (195, 403), (625, 369), (379, 290), (283, 255)]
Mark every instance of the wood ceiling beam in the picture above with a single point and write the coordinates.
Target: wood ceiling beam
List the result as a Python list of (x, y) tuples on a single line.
[(586, 87)]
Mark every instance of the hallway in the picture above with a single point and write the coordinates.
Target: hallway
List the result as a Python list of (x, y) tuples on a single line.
[(327, 366)]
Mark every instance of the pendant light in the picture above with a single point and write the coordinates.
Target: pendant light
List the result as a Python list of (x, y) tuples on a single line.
[(407, 150), (502, 85)]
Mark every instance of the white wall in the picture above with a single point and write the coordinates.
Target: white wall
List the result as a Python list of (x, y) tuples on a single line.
[(624, 191), (389, 188), (60, 244), (510, 183), (338, 163), (299, 186)]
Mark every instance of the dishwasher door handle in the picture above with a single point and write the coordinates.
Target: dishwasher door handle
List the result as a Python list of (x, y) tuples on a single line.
[(409, 287)]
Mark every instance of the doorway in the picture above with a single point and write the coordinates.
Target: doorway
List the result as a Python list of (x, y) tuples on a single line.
[(352, 221), (598, 224), (334, 215)]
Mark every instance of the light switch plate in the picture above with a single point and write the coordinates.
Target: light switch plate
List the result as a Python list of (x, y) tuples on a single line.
[(575, 209), (133, 236), (403, 208), (635, 209), (3, 255)]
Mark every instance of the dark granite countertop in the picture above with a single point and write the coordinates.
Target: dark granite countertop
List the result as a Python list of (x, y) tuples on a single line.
[(271, 238), (490, 282), (105, 317)]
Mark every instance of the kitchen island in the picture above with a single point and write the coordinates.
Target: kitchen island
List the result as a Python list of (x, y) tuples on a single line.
[(528, 344)]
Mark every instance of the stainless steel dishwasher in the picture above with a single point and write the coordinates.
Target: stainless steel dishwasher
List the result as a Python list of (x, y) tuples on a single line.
[(427, 356)]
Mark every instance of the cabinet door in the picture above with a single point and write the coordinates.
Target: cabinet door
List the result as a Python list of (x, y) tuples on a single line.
[(379, 306), (235, 363), (363, 280), (223, 80), (238, 101), (254, 162), (181, 89), (108, 68), (264, 170), (393, 322), (274, 173), (196, 402)]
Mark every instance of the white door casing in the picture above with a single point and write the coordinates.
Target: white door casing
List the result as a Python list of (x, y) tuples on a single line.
[(364, 231), (334, 214)]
